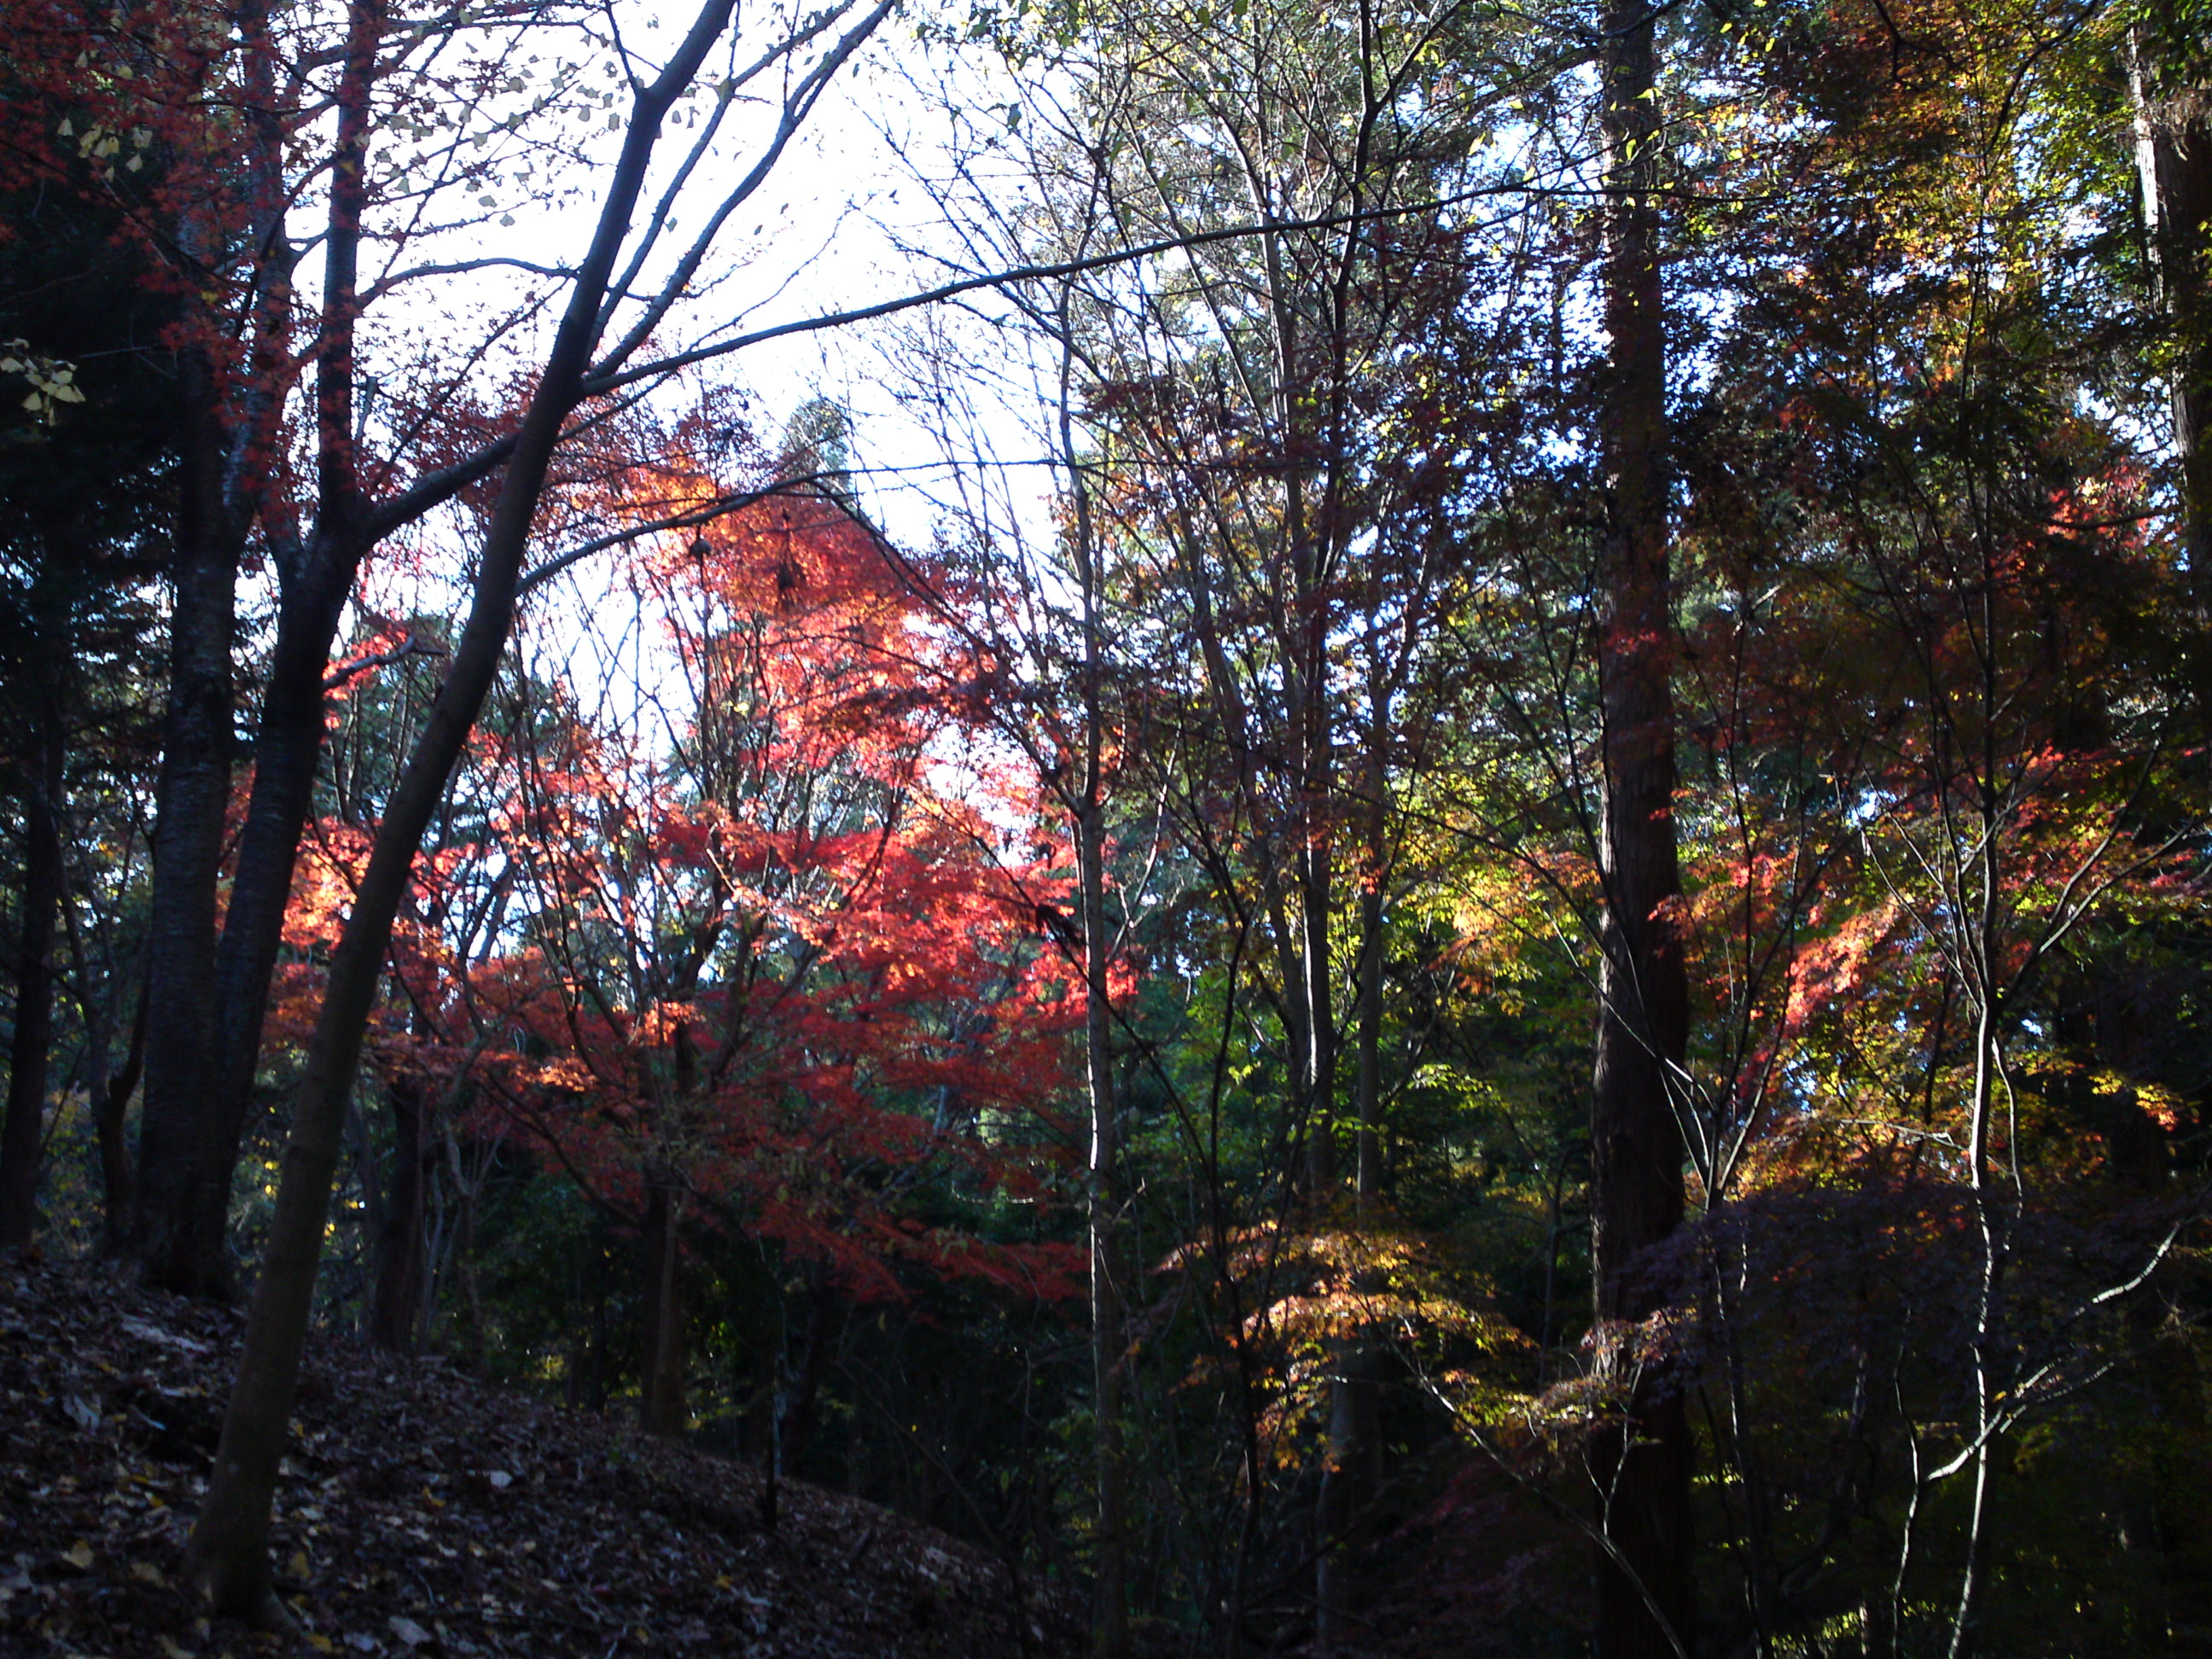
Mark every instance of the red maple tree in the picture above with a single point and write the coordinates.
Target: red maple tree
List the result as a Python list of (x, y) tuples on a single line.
[(777, 970)]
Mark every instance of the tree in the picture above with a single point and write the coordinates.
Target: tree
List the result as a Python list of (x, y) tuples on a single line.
[(2171, 89), (776, 974), (1894, 474), (141, 116), (211, 198), (1604, 685), (229, 1543), (1640, 1461), (82, 466), (1255, 445)]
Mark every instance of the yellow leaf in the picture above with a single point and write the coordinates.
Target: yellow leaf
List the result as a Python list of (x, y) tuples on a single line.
[(171, 1650), (147, 1573), (322, 1645), (80, 1556), (297, 1566)]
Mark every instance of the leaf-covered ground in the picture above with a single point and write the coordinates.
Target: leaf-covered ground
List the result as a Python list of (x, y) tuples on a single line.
[(424, 1514)]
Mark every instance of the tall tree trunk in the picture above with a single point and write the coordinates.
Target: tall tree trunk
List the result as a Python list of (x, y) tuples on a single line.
[(799, 1404), (111, 1107), (110, 1091), (1108, 1333), (2170, 77), (229, 1545), (231, 432), (798, 1386), (1350, 1472), (1640, 1458), (2170, 73), (662, 1359), (171, 1232), (20, 1136), (1350, 1475), (1111, 1633), (395, 1317), (288, 743), (315, 575), (1367, 1083)]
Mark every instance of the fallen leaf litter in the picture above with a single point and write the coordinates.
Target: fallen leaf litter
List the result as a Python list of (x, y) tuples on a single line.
[(424, 1514)]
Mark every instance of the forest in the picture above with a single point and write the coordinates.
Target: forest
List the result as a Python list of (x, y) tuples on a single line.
[(1422, 865)]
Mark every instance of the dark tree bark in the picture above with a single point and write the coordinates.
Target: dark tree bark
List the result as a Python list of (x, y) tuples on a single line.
[(38, 911), (1108, 1340), (288, 743), (315, 575), (2170, 73), (798, 1388), (200, 1081), (395, 1316), (1351, 1470), (111, 1098), (232, 422), (798, 1404), (175, 1167), (1640, 1457), (1108, 1335), (229, 1549), (206, 1104), (1350, 1476), (664, 1350), (199, 1089), (1367, 1168)]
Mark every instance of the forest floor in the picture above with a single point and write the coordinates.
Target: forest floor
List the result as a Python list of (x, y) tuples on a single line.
[(425, 1514)]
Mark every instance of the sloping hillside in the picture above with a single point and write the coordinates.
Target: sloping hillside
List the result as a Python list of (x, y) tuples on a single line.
[(425, 1514)]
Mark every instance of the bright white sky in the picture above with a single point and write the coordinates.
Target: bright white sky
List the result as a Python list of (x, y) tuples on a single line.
[(831, 228), (837, 222)]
